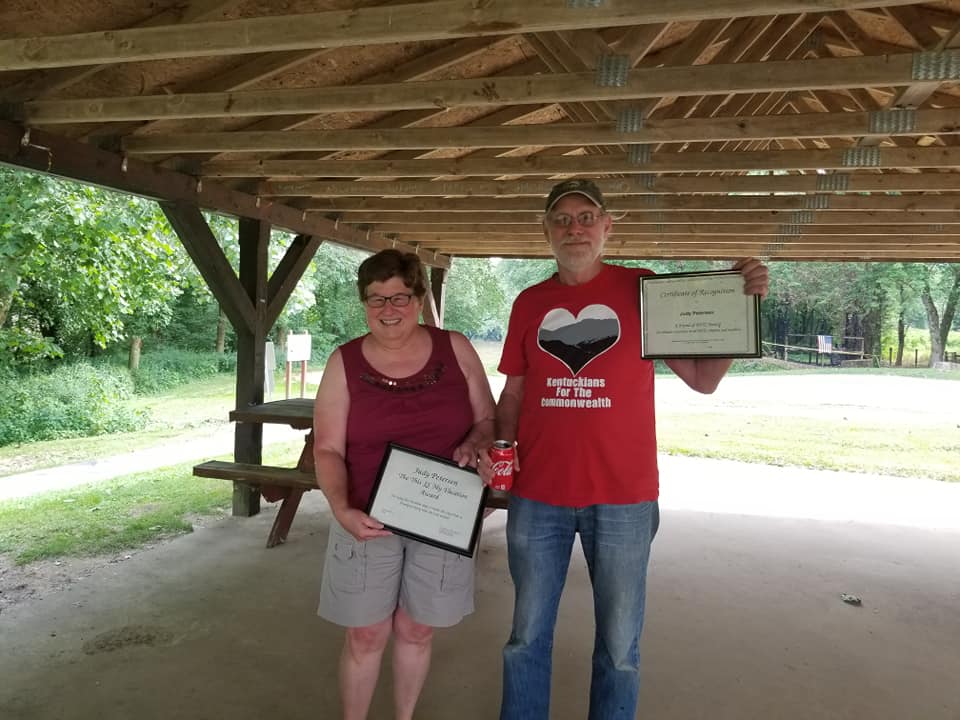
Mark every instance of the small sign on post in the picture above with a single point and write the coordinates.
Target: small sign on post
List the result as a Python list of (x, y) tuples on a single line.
[(269, 366), (298, 350)]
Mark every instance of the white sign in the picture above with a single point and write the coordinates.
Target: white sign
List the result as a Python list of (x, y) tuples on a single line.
[(298, 348)]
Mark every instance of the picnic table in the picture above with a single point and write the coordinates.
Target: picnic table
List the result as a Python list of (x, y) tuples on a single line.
[(280, 483)]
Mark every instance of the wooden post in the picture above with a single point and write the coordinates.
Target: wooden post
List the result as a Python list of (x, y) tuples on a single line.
[(433, 302), (251, 344)]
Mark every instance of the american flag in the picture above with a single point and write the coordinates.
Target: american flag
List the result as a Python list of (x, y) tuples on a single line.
[(824, 343)]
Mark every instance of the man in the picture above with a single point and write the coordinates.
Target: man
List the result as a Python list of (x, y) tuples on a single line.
[(578, 401)]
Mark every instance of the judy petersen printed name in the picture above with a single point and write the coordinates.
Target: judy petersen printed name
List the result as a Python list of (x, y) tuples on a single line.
[(432, 484)]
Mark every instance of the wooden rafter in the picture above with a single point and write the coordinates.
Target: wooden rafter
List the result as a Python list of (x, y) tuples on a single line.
[(485, 92), (378, 25), (794, 128)]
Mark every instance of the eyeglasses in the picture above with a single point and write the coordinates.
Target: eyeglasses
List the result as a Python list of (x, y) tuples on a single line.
[(397, 300), (587, 218)]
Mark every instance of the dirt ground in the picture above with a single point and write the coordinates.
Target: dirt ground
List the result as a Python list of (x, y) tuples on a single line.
[(902, 401), (746, 617)]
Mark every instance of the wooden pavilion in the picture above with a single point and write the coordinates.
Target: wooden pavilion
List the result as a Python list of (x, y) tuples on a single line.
[(789, 129)]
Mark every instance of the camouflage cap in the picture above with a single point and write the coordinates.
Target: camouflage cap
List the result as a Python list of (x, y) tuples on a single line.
[(576, 186)]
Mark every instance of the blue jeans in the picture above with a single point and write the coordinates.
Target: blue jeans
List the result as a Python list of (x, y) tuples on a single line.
[(616, 542)]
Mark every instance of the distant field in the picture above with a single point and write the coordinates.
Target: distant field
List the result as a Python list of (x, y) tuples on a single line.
[(489, 352)]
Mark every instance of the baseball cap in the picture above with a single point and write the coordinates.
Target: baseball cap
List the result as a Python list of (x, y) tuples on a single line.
[(576, 186)]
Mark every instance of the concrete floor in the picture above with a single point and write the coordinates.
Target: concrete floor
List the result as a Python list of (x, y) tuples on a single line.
[(745, 621)]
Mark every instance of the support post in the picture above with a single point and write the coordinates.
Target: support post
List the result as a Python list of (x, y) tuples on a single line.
[(433, 305), (251, 345)]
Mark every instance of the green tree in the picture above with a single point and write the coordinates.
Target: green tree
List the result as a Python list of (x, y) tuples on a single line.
[(83, 266), (336, 314), (475, 299), (938, 285)]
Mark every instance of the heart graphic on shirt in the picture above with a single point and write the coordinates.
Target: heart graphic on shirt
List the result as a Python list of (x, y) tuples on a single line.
[(575, 341)]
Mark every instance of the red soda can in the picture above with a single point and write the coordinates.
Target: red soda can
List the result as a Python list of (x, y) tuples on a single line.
[(501, 454)]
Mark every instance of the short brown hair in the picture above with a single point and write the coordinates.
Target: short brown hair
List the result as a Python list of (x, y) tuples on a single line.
[(391, 263)]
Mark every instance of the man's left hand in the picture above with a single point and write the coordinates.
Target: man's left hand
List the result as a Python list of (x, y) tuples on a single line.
[(756, 280)]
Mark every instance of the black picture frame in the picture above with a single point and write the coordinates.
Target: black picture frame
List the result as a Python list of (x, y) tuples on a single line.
[(698, 315), (428, 498)]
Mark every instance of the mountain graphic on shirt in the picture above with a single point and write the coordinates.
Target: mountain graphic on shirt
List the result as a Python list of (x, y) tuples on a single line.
[(575, 342)]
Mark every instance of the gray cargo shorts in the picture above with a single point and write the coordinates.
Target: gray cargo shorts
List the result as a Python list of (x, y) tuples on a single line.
[(364, 582)]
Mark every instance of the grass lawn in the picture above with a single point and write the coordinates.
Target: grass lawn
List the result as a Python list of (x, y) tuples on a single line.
[(119, 514), (921, 451), (198, 409), (127, 512)]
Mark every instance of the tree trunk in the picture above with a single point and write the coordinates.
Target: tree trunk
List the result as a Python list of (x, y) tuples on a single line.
[(782, 328), (221, 332), (133, 359), (901, 338), (6, 300), (949, 310), (933, 325)]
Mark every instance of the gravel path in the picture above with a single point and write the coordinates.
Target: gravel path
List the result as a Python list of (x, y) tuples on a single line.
[(693, 483)]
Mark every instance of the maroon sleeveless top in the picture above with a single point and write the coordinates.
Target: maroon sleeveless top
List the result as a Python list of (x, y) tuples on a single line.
[(428, 411)]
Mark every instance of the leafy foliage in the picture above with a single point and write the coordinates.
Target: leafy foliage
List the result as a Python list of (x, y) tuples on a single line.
[(475, 299), (84, 266), (336, 314), (73, 401), (170, 367)]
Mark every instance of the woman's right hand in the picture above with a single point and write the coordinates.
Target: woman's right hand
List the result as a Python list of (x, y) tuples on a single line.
[(360, 525)]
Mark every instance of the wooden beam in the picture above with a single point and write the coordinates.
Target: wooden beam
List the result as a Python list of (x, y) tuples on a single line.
[(203, 249), (690, 252), (454, 242), (379, 25), (808, 125), (638, 83), (661, 162), (637, 185), (658, 217), (49, 153), (254, 240), (438, 291), (45, 82), (287, 274), (412, 230)]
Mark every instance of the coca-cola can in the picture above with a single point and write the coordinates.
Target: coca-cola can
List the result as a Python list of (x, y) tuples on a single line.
[(501, 455)]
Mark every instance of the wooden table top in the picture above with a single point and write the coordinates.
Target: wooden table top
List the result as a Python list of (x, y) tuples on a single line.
[(296, 412)]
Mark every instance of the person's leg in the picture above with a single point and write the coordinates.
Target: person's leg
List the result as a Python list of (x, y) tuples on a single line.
[(360, 667), (411, 660), (436, 591), (616, 542), (360, 589), (539, 541)]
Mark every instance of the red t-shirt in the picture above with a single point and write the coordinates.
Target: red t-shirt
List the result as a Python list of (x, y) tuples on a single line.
[(586, 433), (428, 411)]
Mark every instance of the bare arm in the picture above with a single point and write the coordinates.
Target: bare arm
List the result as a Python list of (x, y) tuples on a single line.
[(508, 418), (508, 408), (481, 402), (705, 374), (330, 411)]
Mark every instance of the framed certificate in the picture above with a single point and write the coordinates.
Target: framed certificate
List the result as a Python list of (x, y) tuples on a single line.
[(428, 498), (698, 314)]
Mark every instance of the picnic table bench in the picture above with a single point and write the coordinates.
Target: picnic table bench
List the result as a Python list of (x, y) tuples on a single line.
[(281, 483)]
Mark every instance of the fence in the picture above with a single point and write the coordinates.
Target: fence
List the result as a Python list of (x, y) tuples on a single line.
[(950, 357), (821, 349)]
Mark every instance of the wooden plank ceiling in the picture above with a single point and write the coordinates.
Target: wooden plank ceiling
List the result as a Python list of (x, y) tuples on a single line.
[(789, 129)]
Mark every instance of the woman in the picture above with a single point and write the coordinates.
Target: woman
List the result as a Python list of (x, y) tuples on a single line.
[(421, 387)]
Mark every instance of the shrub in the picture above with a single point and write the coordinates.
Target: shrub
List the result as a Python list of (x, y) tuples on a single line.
[(167, 368), (72, 401)]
